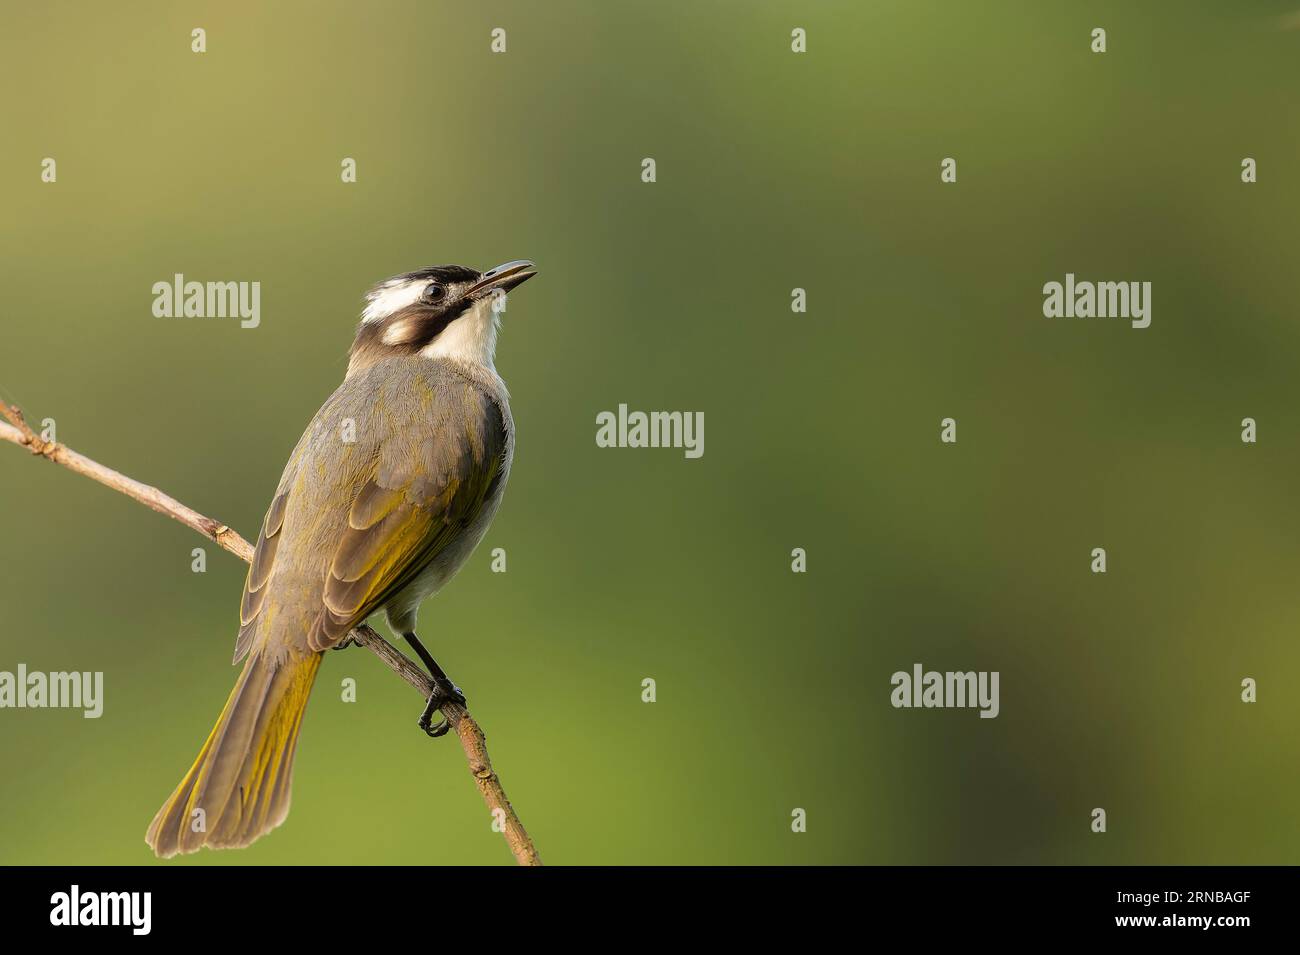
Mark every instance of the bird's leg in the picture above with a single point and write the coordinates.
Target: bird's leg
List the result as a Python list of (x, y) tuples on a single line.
[(444, 691)]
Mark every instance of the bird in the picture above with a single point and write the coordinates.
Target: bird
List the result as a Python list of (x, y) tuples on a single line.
[(391, 487)]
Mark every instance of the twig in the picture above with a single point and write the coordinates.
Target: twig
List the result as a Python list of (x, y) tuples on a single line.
[(471, 736), (22, 434)]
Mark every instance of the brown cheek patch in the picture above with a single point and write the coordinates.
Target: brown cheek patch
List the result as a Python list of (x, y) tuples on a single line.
[(415, 328)]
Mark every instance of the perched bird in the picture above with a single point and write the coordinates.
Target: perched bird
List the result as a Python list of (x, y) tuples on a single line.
[(390, 488)]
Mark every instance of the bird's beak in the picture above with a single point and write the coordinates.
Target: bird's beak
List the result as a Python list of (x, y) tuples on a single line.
[(503, 277)]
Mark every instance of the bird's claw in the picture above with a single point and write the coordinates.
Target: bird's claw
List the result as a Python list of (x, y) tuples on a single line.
[(435, 731), (443, 693)]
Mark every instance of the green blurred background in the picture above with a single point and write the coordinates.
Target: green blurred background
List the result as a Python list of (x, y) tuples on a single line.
[(775, 170)]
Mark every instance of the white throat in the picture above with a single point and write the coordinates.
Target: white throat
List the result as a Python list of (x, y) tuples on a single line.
[(472, 338)]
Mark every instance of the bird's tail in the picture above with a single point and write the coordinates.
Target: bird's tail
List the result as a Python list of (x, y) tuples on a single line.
[(238, 787)]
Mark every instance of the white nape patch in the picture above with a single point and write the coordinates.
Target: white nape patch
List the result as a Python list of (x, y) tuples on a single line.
[(391, 297), (471, 339)]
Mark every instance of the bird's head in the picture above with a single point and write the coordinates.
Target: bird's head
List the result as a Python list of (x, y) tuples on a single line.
[(445, 311)]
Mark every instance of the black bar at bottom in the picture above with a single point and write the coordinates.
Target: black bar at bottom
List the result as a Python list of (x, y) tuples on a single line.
[(368, 904)]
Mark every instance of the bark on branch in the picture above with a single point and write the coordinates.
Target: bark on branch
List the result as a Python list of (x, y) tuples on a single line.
[(471, 736)]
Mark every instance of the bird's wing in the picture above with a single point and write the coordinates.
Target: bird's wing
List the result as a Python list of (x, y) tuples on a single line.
[(259, 573), (417, 499), (419, 484)]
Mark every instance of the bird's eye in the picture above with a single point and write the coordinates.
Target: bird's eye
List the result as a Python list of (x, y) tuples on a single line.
[(434, 293)]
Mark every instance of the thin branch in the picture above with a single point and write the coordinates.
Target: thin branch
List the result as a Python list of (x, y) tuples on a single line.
[(472, 740), (22, 434)]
